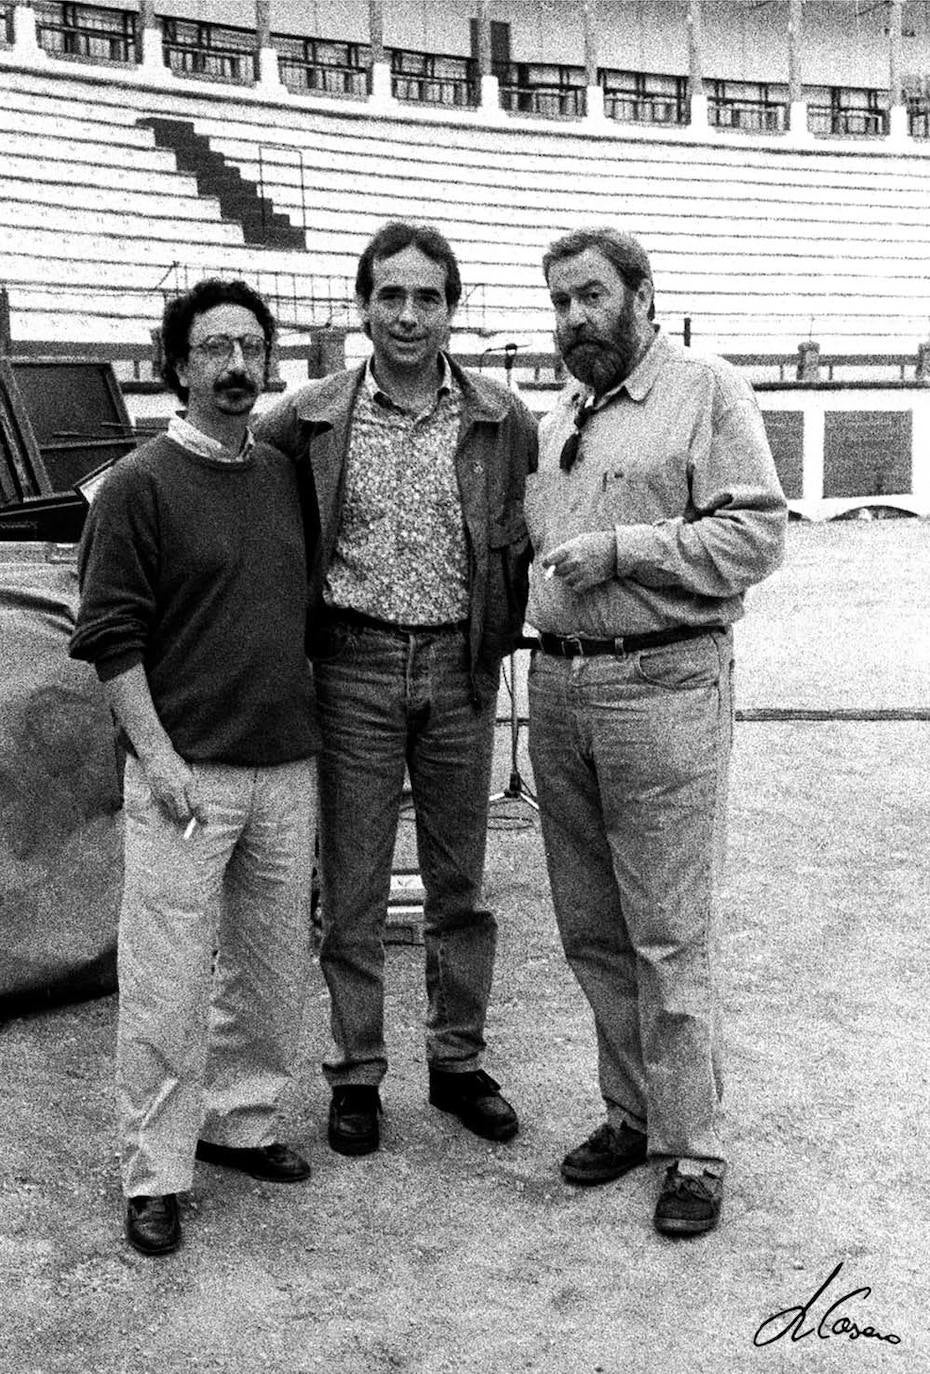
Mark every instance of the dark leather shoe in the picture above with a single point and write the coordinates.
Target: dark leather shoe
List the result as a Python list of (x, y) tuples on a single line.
[(353, 1119), (153, 1226), (271, 1163), (476, 1100), (608, 1153), (688, 1204)]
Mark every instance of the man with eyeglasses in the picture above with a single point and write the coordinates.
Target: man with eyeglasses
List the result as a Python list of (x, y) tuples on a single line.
[(194, 575), (419, 469), (656, 505)]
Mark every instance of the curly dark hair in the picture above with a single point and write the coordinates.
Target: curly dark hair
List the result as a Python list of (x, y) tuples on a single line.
[(180, 313), (394, 237)]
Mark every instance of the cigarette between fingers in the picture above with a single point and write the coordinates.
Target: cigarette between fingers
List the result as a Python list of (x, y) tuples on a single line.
[(550, 571), (191, 827)]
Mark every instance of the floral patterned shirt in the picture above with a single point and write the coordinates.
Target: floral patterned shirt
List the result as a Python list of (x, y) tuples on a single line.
[(401, 553)]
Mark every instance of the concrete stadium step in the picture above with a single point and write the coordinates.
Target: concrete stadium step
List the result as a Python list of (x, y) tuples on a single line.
[(62, 151), (77, 244), (174, 205), (508, 160), (554, 143), (58, 94), (239, 198), (601, 194), (96, 172), (43, 123), (139, 237)]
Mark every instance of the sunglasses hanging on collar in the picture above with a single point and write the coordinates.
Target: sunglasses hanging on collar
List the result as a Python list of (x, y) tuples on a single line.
[(569, 455)]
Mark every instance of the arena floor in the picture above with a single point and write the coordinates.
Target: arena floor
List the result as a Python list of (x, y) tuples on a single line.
[(441, 1255)]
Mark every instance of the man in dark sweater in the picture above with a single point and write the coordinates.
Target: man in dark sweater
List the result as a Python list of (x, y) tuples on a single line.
[(193, 571)]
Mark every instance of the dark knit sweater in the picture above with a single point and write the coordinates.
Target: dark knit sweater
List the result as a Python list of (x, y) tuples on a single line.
[(197, 569)]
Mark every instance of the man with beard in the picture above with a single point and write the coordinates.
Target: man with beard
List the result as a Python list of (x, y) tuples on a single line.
[(194, 574), (655, 507)]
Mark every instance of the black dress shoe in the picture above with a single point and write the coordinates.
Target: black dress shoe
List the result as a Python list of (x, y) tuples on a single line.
[(608, 1153), (271, 1163), (476, 1100), (353, 1119), (153, 1226)]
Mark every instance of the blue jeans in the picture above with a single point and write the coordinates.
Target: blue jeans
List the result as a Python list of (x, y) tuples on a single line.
[(389, 699), (630, 757)]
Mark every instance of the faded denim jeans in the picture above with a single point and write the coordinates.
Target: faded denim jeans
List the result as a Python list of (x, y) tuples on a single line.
[(388, 699), (204, 1048), (630, 756)]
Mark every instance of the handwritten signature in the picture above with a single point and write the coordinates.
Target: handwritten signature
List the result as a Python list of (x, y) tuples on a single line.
[(791, 1320)]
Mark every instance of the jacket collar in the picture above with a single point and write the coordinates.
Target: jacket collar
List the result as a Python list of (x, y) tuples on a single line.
[(326, 402)]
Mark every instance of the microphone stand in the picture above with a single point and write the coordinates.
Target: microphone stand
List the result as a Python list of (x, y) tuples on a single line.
[(516, 789)]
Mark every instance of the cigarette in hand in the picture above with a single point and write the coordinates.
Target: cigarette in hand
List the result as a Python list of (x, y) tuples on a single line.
[(550, 571), (192, 825)]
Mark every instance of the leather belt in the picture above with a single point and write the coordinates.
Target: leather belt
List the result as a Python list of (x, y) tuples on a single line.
[(576, 646)]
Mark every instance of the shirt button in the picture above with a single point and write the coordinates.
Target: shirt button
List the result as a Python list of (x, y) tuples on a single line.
[(478, 468)]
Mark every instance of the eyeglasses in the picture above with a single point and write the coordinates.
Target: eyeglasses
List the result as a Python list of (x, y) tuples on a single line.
[(569, 455), (219, 347)]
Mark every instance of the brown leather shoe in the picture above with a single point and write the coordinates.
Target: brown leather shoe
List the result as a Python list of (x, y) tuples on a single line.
[(476, 1100), (271, 1163), (153, 1226), (608, 1153)]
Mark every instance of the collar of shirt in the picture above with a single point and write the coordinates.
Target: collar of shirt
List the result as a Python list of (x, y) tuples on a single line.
[(380, 396), (195, 441)]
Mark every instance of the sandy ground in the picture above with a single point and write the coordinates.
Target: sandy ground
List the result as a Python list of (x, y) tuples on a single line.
[(444, 1255)]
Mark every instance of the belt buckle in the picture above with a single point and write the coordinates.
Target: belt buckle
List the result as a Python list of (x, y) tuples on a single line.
[(579, 647)]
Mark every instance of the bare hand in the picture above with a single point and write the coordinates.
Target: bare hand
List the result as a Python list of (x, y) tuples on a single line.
[(173, 785), (584, 561)]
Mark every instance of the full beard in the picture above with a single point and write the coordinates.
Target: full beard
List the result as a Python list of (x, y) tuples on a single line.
[(601, 363)]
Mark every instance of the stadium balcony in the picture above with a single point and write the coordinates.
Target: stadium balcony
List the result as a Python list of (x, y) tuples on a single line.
[(761, 235)]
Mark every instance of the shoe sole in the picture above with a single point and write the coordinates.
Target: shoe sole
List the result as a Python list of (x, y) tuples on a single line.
[(252, 1173), (153, 1251), (497, 1137), (353, 1148), (587, 1180), (685, 1228)]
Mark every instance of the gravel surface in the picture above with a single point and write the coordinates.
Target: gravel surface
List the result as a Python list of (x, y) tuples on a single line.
[(444, 1255)]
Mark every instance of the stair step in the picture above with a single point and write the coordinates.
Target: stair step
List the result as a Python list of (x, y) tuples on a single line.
[(239, 199)]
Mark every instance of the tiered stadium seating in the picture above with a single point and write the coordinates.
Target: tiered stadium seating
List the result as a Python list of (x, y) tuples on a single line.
[(759, 246)]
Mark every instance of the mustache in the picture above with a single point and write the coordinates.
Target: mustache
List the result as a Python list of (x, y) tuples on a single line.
[(585, 337), (235, 381)]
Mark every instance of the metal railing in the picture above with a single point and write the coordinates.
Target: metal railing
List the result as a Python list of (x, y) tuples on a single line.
[(85, 31), (434, 78), (216, 51), (634, 107), (752, 116), (269, 192), (297, 302), (319, 66), (847, 122), (918, 117), (550, 100)]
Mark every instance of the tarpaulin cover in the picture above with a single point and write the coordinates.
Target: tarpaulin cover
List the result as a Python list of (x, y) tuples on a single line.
[(60, 796)]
